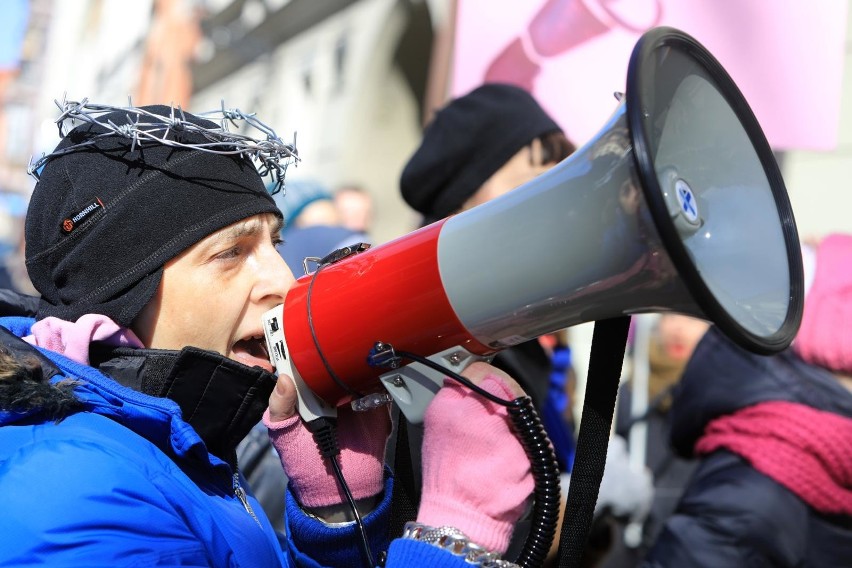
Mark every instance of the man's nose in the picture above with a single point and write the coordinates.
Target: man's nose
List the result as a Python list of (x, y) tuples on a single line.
[(276, 276)]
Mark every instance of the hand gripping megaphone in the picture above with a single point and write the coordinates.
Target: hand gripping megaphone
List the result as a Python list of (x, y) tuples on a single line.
[(676, 205)]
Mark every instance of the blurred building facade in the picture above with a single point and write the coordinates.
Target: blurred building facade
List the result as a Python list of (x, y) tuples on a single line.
[(19, 86), (351, 79), (346, 78)]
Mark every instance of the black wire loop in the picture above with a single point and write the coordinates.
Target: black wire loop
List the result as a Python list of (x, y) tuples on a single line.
[(322, 356)]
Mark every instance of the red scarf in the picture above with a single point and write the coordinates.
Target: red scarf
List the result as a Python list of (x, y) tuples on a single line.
[(808, 451)]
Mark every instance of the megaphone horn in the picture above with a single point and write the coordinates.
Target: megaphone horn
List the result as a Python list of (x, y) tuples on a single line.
[(676, 205)]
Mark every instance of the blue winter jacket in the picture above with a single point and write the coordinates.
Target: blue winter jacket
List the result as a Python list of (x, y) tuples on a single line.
[(126, 482)]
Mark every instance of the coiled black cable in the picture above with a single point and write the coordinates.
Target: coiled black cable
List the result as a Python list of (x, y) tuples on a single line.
[(545, 471)]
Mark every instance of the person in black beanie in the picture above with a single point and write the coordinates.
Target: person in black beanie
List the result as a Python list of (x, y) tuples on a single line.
[(152, 241), (476, 148), (479, 146)]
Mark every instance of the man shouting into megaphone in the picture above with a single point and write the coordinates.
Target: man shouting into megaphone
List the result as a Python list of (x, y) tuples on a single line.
[(152, 241)]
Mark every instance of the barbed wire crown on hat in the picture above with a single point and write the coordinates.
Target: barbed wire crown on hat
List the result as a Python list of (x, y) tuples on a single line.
[(270, 154)]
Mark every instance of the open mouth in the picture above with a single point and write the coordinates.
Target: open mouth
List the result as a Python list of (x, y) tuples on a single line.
[(252, 351)]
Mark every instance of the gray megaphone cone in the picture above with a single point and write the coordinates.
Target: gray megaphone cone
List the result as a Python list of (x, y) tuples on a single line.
[(676, 205)]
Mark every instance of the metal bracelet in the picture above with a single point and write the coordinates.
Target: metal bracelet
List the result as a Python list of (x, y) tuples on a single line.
[(454, 541)]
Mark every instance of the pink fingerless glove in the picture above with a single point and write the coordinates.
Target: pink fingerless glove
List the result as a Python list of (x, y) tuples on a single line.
[(362, 437), (476, 476)]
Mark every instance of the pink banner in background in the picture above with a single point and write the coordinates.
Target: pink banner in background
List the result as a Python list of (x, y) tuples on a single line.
[(786, 57)]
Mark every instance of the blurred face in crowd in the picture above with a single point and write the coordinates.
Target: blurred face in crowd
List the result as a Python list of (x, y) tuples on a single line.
[(680, 334), (521, 168), (531, 161), (355, 209), (213, 295), (320, 212)]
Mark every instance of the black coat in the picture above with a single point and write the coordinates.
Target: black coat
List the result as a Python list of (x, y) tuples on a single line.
[(13, 303), (732, 515)]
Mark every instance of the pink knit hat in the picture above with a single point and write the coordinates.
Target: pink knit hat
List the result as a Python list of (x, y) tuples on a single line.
[(825, 337)]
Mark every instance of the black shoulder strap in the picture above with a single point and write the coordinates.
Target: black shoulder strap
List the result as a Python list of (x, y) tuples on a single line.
[(405, 498), (607, 356)]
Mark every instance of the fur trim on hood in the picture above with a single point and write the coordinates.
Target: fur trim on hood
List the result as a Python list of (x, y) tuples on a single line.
[(25, 385)]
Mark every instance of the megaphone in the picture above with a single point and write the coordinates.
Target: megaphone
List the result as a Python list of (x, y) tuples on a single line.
[(676, 205)]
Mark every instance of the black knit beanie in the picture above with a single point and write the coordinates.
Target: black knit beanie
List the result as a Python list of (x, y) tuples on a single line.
[(467, 142), (104, 219)]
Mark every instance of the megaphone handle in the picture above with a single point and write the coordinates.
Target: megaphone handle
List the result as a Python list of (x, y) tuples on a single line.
[(413, 386)]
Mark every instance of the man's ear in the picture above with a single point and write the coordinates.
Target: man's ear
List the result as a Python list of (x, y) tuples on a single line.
[(145, 324)]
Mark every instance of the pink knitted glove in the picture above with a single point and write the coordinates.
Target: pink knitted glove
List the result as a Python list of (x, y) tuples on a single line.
[(825, 337), (362, 437), (476, 476)]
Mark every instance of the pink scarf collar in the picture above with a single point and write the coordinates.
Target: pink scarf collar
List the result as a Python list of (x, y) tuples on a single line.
[(808, 451), (72, 339)]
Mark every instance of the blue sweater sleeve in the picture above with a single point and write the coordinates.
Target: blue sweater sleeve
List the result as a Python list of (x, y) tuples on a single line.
[(314, 544)]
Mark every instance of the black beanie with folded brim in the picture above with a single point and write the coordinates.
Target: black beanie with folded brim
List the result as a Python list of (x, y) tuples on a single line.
[(105, 218), (467, 142)]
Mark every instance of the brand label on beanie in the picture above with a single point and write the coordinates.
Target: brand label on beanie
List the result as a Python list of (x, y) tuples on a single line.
[(70, 223)]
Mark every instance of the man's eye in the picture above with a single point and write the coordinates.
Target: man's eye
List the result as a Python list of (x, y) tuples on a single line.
[(232, 252)]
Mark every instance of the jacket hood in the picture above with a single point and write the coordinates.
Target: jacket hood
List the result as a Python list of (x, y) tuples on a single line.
[(26, 388), (722, 377)]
